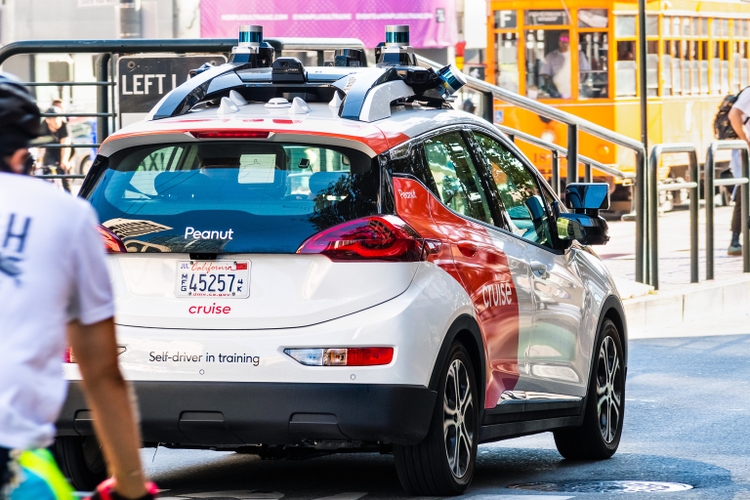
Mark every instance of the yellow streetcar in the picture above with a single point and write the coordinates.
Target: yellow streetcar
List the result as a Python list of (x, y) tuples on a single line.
[(582, 56)]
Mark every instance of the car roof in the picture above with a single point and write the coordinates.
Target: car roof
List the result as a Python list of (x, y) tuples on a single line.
[(364, 119)]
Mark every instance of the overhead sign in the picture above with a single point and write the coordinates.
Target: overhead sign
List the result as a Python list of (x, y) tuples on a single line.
[(432, 22), (143, 80), (546, 17)]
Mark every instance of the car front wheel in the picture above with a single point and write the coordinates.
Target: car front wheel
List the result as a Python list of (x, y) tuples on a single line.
[(443, 463), (599, 436)]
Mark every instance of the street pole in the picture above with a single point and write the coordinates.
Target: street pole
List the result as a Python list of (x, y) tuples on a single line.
[(642, 70), (130, 19), (644, 134)]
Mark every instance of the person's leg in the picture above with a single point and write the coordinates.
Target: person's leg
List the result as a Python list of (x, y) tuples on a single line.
[(735, 247), (65, 182)]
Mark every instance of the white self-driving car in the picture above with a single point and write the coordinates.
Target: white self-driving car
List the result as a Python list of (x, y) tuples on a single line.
[(332, 258)]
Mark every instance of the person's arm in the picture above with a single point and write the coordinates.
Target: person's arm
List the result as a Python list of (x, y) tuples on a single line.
[(735, 119), (65, 153), (107, 393)]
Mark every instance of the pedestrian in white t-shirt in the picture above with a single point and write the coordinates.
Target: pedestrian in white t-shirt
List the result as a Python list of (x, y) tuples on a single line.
[(738, 117), (53, 281)]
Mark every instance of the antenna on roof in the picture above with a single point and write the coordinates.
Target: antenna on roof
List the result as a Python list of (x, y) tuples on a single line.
[(251, 49), (396, 50)]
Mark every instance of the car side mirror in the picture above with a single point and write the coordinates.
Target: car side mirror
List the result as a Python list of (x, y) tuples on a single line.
[(581, 227), (584, 224), (587, 197)]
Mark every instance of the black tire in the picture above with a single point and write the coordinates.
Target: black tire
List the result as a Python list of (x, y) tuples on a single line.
[(443, 463), (81, 460), (599, 436)]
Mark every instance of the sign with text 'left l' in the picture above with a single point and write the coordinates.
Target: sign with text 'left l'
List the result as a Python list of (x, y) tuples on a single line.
[(143, 80)]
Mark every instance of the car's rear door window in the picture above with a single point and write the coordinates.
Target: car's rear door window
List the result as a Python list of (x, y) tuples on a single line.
[(271, 196), (456, 177)]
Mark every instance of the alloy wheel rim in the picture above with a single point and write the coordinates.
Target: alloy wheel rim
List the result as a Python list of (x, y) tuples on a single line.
[(609, 390), (458, 419)]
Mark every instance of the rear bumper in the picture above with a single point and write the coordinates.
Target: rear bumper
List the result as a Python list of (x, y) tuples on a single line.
[(214, 414)]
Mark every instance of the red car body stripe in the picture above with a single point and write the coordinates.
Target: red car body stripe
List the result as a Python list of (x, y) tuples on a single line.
[(470, 255)]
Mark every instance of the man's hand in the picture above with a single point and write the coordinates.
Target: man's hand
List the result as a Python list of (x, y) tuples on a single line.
[(95, 349)]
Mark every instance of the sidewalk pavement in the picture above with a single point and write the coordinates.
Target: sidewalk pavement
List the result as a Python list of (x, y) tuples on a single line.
[(650, 313)]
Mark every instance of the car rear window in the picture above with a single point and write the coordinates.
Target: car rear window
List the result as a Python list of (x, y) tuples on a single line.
[(231, 197)]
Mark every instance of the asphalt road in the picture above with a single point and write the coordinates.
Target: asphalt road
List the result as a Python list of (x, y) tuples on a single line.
[(687, 421)]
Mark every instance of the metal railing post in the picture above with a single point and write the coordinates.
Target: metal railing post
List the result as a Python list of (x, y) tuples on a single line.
[(588, 174), (640, 216), (652, 211), (708, 195), (556, 172), (653, 189), (102, 96), (745, 200), (572, 155), (488, 106), (694, 213)]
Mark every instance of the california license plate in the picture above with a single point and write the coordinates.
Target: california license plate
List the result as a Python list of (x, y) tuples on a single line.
[(222, 279)]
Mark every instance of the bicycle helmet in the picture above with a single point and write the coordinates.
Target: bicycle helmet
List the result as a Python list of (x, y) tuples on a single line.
[(20, 118)]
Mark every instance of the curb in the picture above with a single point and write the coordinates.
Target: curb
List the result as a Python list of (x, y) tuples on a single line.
[(693, 302)]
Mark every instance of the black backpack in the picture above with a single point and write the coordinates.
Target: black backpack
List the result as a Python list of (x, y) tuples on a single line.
[(722, 127)]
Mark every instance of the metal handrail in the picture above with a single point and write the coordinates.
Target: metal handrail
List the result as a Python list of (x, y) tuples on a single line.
[(710, 184), (106, 48), (576, 124), (531, 139), (652, 276)]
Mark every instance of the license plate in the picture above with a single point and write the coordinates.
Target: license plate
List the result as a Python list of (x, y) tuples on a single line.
[(222, 279)]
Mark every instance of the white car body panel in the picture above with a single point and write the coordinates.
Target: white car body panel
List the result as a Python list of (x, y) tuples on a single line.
[(414, 323), (286, 291)]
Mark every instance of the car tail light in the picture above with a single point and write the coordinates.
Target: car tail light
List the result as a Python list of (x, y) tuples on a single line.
[(371, 238), (359, 356), (112, 242), (231, 134)]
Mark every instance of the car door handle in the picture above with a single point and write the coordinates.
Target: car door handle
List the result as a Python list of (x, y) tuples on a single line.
[(538, 268), (467, 248)]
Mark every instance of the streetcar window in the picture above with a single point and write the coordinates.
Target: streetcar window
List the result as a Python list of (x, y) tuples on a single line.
[(737, 65), (625, 69), (667, 65), (593, 18), (721, 27), (666, 25), (652, 25), (695, 65), (506, 69), (549, 65), (652, 68), (738, 28), (592, 63), (624, 26)]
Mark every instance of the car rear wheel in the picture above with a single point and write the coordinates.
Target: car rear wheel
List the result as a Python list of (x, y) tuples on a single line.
[(599, 436), (443, 463), (81, 460)]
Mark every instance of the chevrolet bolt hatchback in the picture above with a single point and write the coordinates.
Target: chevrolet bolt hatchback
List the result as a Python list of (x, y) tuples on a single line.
[(332, 259)]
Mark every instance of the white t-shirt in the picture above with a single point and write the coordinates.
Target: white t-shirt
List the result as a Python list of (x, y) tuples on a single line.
[(52, 271), (743, 104)]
